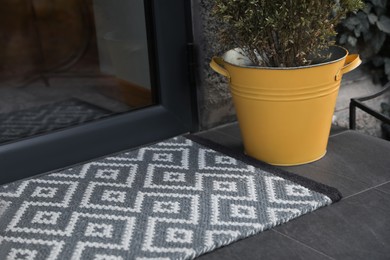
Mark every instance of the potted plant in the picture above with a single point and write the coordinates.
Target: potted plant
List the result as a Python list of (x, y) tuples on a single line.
[(284, 73)]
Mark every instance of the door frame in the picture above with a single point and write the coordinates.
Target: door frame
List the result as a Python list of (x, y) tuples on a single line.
[(169, 35)]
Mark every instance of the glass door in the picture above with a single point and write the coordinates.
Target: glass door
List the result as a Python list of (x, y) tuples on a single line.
[(83, 78)]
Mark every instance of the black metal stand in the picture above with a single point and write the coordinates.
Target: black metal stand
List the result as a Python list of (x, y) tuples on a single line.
[(358, 102)]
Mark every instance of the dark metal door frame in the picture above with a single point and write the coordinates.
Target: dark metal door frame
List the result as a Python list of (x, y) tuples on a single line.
[(169, 34)]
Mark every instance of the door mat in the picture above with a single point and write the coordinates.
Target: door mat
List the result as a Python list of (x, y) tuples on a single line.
[(176, 199), (42, 119)]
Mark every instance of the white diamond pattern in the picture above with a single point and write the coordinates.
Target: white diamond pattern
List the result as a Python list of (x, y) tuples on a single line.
[(47, 218), (114, 196), (239, 211), (166, 207), (108, 174), (99, 230), (177, 235), (224, 186), (44, 192), (174, 177), (21, 254)]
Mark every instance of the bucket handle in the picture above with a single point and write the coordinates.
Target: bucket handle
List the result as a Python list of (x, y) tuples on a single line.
[(217, 65), (351, 62)]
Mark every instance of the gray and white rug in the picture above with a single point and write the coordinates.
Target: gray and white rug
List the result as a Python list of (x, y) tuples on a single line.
[(49, 117), (176, 199)]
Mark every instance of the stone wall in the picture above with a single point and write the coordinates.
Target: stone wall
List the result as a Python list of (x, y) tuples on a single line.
[(215, 105)]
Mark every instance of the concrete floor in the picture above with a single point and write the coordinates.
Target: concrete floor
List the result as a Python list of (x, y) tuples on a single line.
[(357, 227)]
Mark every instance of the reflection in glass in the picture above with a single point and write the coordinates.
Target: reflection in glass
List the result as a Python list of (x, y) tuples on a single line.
[(67, 62)]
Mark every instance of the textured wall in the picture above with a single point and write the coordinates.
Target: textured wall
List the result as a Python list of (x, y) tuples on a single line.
[(215, 104)]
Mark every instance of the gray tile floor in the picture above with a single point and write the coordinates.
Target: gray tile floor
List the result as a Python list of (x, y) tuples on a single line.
[(357, 227)]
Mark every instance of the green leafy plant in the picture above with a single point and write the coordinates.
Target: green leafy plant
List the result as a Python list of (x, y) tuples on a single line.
[(368, 32), (279, 33)]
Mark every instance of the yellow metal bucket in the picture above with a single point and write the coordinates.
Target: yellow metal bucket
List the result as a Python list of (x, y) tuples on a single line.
[(285, 114)]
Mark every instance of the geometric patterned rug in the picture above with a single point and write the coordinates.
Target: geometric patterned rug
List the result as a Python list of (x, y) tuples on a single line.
[(176, 199), (36, 120)]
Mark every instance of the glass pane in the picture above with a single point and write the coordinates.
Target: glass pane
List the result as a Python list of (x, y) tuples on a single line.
[(67, 62)]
